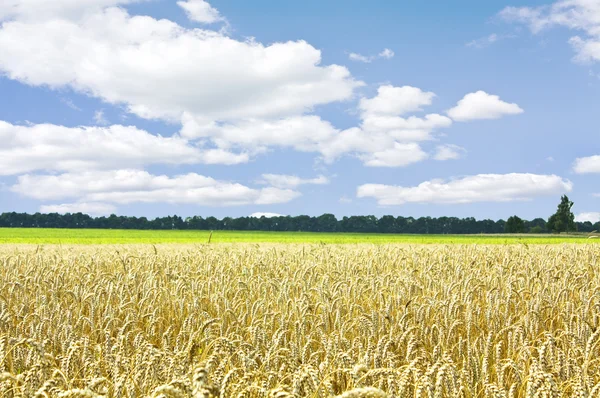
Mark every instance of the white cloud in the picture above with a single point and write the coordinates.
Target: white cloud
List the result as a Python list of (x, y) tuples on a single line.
[(406, 129), (478, 188), (305, 133), (137, 186), (234, 99), (592, 217), (385, 139), (94, 209), (100, 119), (311, 134), (396, 101), (58, 148), (221, 156), (484, 41), (361, 58), (481, 105), (580, 15), (290, 181), (449, 152), (378, 133), (587, 50), (40, 10), (398, 155), (587, 165), (200, 11), (386, 54), (159, 69), (267, 215)]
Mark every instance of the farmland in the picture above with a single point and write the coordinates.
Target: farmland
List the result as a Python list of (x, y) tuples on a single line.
[(275, 320), (108, 236)]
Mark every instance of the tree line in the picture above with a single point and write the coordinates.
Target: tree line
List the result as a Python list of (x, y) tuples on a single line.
[(560, 222)]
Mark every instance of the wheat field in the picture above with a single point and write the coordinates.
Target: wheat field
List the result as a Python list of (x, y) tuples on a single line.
[(300, 321)]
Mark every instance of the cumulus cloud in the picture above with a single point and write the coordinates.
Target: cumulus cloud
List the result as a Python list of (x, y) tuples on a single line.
[(449, 152), (592, 217), (406, 129), (579, 15), (159, 69), (58, 148), (39, 10), (93, 209), (385, 138), (481, 105), (396, 101), (267, 215), (477, 188), (304, 133), (397, 156), (291, 181), (233, 99), (382, 131), (587, 165), (137, 186), (200, 11), (382, 114)]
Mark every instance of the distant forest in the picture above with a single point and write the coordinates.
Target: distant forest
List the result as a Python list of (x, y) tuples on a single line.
[(323, 223)]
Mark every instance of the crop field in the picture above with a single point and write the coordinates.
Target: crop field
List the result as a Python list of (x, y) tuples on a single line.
[(111, 236), (272, 320)]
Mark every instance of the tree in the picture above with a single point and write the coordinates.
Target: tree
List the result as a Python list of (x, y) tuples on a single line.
[(585, 226), (387, 224), (535, 226), (326, 223), (564, 219), (514, 225)]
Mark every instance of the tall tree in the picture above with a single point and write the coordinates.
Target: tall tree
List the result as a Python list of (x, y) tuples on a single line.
[(564, 219)]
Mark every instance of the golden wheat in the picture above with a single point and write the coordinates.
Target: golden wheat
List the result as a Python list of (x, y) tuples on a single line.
[(300, 321)]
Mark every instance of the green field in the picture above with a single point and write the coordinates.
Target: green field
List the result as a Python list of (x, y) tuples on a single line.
[(102, 236)]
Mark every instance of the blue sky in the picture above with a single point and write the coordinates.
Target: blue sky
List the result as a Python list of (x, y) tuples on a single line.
[(229, 108)]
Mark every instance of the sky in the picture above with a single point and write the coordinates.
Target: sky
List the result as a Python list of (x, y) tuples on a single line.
[(233, 108)]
